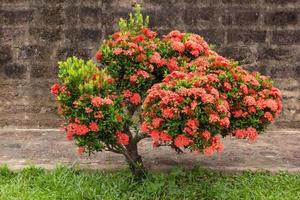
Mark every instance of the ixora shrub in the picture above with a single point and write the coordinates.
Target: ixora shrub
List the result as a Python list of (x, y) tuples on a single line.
[(174, 89)]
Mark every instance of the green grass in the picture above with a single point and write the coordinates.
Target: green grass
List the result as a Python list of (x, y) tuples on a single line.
[(62, 183)]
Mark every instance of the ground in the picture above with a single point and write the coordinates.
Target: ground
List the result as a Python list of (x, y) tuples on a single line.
[(275, 150)]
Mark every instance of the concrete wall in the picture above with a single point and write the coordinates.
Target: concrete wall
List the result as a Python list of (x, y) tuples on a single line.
[(263, 35)]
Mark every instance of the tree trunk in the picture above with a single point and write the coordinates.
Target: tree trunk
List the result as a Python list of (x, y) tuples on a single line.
[(135, 161)]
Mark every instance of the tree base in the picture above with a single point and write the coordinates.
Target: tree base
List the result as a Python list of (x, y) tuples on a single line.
[(137, 168), (135, 162)]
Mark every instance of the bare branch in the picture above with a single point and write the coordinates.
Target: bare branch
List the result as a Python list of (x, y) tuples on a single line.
[(113, 149)]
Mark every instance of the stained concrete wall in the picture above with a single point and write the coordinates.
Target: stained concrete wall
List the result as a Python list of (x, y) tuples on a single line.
[(263, 35)]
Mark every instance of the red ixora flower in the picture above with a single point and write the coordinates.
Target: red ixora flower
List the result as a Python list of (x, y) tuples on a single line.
[(94, 126), (76, 129), (148, 33), (81, 129), (165, 137), (133, 78), (156, 122), (140, 57), (249, 101), (213, 117), (270, 103), (178, 46), (138, 38), (192, 123), (227, 86), (118, 51), (96, 101), (156, 59), (127, 93), (250, 133), (208, 151), (107, 101), (144, 127), (122, 138), (55, 88), (182, 141), (206, 135), (88, 110), (268, 116), (172, 64), (135, 99), (168, 113), (99, 56), (155, 135)]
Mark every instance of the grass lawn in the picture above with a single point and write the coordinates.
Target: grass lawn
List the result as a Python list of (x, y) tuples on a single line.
[(63, 183)]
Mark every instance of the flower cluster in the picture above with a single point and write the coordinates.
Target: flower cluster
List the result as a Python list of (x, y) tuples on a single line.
[(254, 101), (186, 110), (249, 100), (187, 44)]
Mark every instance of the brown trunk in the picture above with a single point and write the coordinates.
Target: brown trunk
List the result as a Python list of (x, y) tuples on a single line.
[(135, 161)]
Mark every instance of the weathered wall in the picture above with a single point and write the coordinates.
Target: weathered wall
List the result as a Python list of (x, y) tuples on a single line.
[(263, 34)]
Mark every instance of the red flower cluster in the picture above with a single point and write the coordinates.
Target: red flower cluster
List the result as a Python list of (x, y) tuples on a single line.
[(98, 101), (185, 98), (182, 141), (156, 59), (98, 56), (134, 98), (122, 138), (158, 137), (55, 89), (249, 133), (94, 126), (191, 43), (76, 129), (216, 146), (254, 96), (206, 90)]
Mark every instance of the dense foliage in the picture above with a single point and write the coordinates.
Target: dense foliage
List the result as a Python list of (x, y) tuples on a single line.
[(174, 89)]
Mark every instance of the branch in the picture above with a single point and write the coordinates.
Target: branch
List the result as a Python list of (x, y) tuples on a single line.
[(178, 150), (139, 137), (113, 149)]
